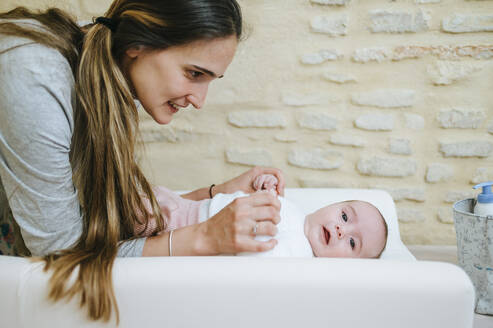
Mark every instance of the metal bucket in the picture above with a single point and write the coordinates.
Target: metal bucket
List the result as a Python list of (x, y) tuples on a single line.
[(475, 251)]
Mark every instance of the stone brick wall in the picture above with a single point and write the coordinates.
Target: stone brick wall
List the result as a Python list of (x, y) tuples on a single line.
[(343, 93)]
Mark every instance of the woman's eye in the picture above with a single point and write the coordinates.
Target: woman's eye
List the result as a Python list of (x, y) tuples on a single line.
[(352, 243), (344, 217), (195, 74)]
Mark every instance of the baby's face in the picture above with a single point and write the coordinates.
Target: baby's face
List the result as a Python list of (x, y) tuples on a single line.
[(346, 229)]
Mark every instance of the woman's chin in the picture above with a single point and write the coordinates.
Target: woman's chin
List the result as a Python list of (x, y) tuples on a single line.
[(162, 120)]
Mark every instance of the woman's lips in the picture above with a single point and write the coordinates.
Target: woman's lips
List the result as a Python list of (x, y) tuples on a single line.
[(326, 235), (172, 108)]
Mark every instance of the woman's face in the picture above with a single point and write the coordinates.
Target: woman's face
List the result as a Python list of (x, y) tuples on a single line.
[(165, 81)]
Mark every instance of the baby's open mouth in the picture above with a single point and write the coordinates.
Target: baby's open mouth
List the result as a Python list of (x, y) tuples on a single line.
[(327, 235)]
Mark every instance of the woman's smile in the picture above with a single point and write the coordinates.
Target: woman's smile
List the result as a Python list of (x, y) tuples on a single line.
[(173, 107)]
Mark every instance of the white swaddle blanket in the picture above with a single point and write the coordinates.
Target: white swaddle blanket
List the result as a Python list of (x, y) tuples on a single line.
[(290, 235)]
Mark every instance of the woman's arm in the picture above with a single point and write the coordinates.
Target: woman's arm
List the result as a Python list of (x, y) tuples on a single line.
[(36, 126), (230, 231), (243, 183), (35, 134), (199, 194)]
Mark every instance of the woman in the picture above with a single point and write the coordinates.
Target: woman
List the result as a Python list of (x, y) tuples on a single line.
[(67, 111)]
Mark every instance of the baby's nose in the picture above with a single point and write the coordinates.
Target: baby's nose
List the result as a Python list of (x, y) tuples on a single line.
[(339, 232)]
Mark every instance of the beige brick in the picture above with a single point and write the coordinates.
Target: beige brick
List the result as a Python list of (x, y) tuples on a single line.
[(385, 98), (410, 215), (482, 174), (461, 23), (461, 118), (318, 158), (387, 167), (399, 194), (252, 157), (287, 138), (339, 78), (448, 72), (375, 122), (257, 119), (472, 148), (445, 215), (344, 139), (378, 54), (321, 56), (398, 21), (437, 172), (331, 25), (317, 121)]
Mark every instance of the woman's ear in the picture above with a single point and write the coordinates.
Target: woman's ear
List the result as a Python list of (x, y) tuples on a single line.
[(134, 52)]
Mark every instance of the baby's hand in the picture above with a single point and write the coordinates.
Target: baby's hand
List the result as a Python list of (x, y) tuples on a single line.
[(265, 182)]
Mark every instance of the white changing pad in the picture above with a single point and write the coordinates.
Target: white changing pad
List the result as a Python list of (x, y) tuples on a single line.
[(246, 292)]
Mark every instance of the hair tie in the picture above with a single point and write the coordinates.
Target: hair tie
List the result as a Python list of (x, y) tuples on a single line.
[(108, 22)]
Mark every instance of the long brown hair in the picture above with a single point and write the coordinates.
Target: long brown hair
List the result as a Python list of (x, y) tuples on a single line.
[(110, 185)]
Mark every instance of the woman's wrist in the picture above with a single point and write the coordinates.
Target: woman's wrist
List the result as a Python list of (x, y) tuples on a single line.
[(188, 241), (156, 245), (219, 189), (204, 245), (199, 194), (207, 192)]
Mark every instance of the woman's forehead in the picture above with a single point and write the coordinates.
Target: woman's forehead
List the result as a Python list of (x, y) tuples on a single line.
[(213, 55)]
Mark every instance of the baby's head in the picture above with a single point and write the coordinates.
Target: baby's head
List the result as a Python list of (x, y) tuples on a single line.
[(347, 229)]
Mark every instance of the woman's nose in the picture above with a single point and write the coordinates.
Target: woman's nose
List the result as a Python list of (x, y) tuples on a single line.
[(197, 97)]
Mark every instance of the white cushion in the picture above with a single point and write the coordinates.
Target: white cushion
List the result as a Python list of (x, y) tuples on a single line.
[(274, 292)]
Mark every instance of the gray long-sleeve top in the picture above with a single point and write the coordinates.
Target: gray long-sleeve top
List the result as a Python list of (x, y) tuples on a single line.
[(37, 98)]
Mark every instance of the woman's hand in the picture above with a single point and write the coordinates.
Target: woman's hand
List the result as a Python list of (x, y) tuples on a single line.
[(232, 230), (245, 181)]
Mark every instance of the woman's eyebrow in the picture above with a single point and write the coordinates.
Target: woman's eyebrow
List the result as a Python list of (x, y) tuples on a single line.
[(206, 71)]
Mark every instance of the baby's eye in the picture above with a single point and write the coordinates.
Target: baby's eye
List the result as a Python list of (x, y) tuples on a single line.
[(352, 243), (344, 217)]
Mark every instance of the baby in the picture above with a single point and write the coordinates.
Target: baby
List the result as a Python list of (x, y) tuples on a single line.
[(351, 228)]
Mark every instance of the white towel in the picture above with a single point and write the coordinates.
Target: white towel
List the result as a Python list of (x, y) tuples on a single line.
[(290, 236)]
